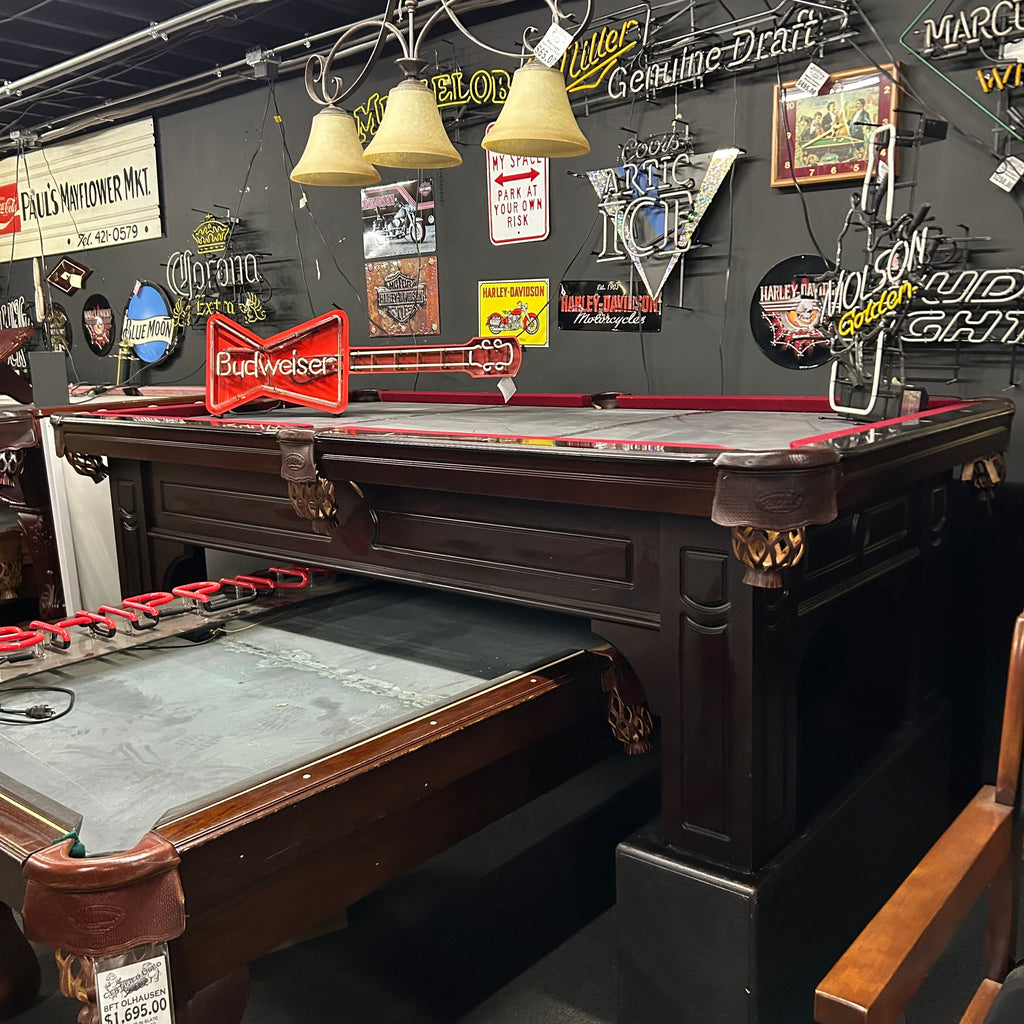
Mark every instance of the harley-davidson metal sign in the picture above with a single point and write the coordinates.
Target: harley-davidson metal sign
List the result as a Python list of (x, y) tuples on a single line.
[(605, 306), (401, 296), (517, 308)]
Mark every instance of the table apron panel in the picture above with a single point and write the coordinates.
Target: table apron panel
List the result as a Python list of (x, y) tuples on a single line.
[(598, 562)]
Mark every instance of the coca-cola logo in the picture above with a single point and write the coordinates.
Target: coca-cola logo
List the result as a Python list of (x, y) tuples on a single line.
[(10, 219)]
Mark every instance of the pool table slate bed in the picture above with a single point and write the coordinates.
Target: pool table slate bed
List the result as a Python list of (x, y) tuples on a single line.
[(232, 794)]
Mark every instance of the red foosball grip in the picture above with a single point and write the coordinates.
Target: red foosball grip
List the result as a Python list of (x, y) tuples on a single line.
[(13, 638), (199, 592), (149, 604), (99, 624), (59, 636)]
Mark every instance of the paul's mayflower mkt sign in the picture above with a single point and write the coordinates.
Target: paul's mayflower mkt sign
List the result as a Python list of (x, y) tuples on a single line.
[(97, 191)]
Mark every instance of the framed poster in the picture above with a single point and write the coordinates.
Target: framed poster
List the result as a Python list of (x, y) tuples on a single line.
[(823, 137)]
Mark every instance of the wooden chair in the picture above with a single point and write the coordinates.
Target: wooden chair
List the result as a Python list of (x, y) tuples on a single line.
[(877, 976)]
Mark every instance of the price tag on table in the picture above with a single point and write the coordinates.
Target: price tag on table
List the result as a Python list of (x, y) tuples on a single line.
[(132, 991), (1008, 173), (507, 387)]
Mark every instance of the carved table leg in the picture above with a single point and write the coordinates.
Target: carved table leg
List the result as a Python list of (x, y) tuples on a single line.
[(19, 968), (77, 981), (223, 1002), (37, 525)]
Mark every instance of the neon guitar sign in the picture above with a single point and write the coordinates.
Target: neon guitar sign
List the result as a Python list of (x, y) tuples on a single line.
[(310, 364)]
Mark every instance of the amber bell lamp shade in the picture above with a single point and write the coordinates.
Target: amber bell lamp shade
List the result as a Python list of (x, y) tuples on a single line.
[(333, 155), (411, 134), (536, 119)]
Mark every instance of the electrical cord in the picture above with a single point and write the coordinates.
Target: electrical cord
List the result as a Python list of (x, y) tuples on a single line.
[(728, 255), (792, 160), (285, 159), (35, 714)]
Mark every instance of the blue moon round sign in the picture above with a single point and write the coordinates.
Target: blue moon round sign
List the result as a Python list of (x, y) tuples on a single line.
[(148, 329)]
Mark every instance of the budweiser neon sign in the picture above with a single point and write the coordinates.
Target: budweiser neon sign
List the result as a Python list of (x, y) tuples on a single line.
[(261, 365), (310, 364)]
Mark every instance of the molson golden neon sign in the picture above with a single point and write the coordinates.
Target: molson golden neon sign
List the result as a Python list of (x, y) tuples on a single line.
[(854, 319)]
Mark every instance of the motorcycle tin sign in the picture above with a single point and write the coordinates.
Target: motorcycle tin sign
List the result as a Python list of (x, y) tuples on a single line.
[(606, 306), (401, 297), (517, 198), (399, 219), (517, 308)]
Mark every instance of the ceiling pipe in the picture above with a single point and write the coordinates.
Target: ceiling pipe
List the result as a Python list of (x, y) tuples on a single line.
[(201, 84), (157, 30)]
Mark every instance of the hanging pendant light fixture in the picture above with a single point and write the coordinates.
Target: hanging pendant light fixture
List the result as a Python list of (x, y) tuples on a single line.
[(333, 155), (411, 134), (536, 119)]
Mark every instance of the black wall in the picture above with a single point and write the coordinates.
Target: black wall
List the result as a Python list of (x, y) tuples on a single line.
[(704, 347)]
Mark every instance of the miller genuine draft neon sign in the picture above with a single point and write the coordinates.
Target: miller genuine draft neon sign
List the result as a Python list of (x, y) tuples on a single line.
[(788, 29)]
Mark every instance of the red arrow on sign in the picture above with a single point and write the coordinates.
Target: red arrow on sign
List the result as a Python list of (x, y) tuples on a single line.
[(532, 173)]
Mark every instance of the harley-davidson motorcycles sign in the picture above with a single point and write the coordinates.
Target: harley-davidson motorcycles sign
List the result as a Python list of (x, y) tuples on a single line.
[(605, 306), (401, 296)]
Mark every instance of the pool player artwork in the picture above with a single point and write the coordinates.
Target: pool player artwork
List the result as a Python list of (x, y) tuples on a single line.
[(310, 364)]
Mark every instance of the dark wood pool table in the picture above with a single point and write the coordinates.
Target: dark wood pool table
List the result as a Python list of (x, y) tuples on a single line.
[(235, 793), (776, 681)]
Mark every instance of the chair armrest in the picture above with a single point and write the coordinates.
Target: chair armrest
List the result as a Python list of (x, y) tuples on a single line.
[(877, 976)]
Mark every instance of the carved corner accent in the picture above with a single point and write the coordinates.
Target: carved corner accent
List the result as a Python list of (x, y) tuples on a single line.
[(765, 553), (628, 713), (315, 501), (769, 498), (985, 474), (12, 460), (631, 723), (91, 466)]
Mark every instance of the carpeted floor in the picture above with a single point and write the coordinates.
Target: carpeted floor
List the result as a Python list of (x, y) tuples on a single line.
[(513, 926)]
